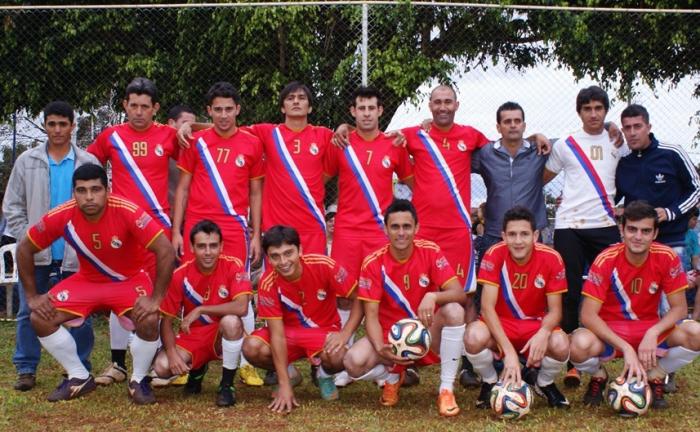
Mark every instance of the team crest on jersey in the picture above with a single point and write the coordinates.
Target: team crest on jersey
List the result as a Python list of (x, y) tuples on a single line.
[(62, 296), (461, 146), (653, 287), (313, 149), (539, 281), (486, 265), (364, 283), (423, 280), (115, 243), (223, 292), (321, 295), (675, 271), (240, 161), (561, 275), (441, 263), (159, 150), (386, 162), (594, 278), (143, 220), (341, 275)]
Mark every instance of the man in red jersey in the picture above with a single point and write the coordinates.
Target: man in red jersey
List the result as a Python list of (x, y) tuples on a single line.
[(521, 306), (620, 310), (139, 152), (297, 297), (103, 229), (408, 278), (213, 291)]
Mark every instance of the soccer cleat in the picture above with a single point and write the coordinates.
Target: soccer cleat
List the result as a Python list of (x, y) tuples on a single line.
[(295, 379), (25, 382), (412, 377), (594, 393), (554, 397), (112, 374), (447, 406), (483, 401), (141, 392), (529, 375), (390, 392), (342, 379), (670, 383), (313, 372), (194, 381), (181, 380), (270, 378), (468, 379), (249, 376), (327, 388), (226, 396), (572, 378), (657, 394), (72, 388)]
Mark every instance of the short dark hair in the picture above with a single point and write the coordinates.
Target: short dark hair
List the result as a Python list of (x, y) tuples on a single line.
[(592, 93), (207, 227), (635, 110), (141, 86), (59, 108), (366, 93), (223, 89), (292, 87), (694, 212), (519, 213), (638, 210), (90, 171), (176, 111), (279, 235), (400, 205), (509, 106)]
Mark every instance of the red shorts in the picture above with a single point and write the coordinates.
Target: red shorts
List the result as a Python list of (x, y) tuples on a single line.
[(633, 332), (313, 242), (81, 297), (519, 332), (456, 244), (202, 343), (349, 251), (301, 342), (235, 240)]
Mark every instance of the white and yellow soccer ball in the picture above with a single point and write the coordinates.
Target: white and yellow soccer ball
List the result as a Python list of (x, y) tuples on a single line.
[(409, 339), (629, 398), (512, 401)]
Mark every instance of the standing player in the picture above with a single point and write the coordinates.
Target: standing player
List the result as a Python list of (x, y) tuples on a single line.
[(178, 115), (620, 310), (139, 152), (213, 290), (408, 278), (521, 305), (297, 297), (103, 229)]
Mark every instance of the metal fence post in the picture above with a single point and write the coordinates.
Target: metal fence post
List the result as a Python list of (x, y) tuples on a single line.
[(365, 37)]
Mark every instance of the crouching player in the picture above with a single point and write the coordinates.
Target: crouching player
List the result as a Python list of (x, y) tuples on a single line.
[(408, 278), (620, 310), (298, 297), (213, 290), (521, 307), (109, 234)]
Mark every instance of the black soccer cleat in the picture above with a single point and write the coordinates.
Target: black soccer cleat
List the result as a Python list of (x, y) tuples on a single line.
[(657, 394), (226, 396), (483, 401), (194, 381), (270, 378), (72, 388), (594, 393), (554, 397), (412, 377)]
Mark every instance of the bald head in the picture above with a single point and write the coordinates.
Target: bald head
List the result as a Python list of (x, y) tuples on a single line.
[(443, 89), (443, 105)]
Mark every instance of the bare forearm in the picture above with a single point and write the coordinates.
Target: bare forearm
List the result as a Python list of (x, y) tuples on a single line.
[(167, 334), (356, 315), (238, 307)]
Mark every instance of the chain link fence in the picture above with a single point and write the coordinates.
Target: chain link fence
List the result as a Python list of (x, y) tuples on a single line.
[(537, 56)]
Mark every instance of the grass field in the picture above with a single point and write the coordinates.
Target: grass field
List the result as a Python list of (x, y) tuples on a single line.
[(357, 410)]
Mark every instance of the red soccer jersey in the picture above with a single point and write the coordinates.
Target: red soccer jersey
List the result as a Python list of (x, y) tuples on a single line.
[(523, 289), (110, 249), (365, 181), (190, 288), (139, 164), (628, 292), (399, 287), (434, 186), (221, 171), (309, 301), (294, 191)]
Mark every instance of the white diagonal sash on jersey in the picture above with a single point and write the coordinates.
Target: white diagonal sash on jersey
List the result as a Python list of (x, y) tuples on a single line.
[(138, 177), (396, 294), (196, 299), (297, 178), (509, 295), (297, 309), (82, 249), (622, 297), (449, 179), (365, 186)]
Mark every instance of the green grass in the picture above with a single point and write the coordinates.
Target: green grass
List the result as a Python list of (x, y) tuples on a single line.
[(357, 410)]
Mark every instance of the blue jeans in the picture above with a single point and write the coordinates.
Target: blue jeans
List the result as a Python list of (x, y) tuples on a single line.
[(27, 346)]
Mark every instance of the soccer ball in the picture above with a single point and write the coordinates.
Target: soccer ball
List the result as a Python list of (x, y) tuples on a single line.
[(629, 398), (409, 339), (511, 402)]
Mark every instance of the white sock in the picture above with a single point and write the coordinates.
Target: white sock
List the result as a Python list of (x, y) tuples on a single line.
[(483, 365), (118, 335), (393, 378), (590, 366), (231, 352), (344, 317), (61, 345), (378, 372), (549, 370), (248, 326), (451, 346), (676, 358), (142, 353)]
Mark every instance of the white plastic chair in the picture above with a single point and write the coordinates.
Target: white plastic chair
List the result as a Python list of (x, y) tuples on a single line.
[(8, 277)]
